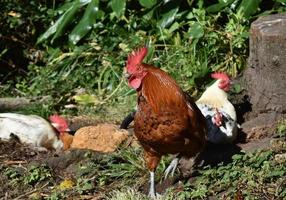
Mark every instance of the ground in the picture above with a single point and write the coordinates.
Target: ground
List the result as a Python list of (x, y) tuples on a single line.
[(81, 174)]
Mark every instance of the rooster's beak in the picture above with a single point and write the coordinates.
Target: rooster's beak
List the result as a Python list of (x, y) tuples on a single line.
[(55, 125), (126, 74)]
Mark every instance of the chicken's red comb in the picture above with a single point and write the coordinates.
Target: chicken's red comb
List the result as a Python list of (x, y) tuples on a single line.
[(56, 119), (137, 56), (220, 75)]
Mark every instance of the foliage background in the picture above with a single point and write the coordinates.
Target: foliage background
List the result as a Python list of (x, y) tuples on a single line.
[(75, 50)]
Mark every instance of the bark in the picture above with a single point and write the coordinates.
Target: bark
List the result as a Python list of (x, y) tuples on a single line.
[(9, 103), (265, 76)]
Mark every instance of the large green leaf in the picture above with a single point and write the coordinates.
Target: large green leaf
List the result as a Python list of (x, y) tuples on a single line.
[(86, 23), (168, 18), (149, 15), (118, 6), (281, 1), (248, 7), (147, 3), (218, 6), (196, 31), (59, 26)]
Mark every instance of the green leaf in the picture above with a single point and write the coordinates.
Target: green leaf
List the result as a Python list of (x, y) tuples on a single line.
[(218, 6), (147, 3), (66, 19), (174, 27), (277, 173), (196, 31), (86, 23), (86, 99), (149, 15), (118, 6), (168, 18), (237, 88), (281, 1), (58, 27), (248, 7), (237, 157)]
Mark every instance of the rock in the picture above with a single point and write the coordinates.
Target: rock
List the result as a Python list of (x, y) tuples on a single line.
[(255, 145), (258, 128), (132, 141), (103, 138), (278, 144), (280, 158)]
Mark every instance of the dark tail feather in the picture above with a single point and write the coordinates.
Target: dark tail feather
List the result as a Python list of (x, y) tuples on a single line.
[(127, 120)]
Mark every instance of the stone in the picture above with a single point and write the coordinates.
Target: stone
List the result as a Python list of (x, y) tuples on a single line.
[(280, 158), (102, 138)]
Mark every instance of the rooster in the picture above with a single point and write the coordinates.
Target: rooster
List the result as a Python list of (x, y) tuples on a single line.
[(219, 111), (32, 130), (167, 121), (220, 114)]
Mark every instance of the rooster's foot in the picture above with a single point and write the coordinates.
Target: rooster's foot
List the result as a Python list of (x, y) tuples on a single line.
[(154, 195), (171, 168)]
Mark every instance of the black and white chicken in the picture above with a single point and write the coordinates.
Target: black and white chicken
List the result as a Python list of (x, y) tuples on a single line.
[(219, 112)]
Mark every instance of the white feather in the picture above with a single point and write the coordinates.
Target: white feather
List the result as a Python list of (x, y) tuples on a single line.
[(30, 129)]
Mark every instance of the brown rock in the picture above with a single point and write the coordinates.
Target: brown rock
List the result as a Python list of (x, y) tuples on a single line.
[(280, 158), (103, 138), (278, 144)]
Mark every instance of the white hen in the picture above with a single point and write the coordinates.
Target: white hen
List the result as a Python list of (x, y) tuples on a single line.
[(213, 101), (30, 129)]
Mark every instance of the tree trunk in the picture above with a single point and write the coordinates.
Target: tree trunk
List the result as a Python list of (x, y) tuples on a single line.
[(10, 103), (265, 77)]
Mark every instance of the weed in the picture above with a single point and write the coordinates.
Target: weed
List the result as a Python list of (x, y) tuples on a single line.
[(36, 174), (249, 173), (281, 128), (84, 186), (13, 175)]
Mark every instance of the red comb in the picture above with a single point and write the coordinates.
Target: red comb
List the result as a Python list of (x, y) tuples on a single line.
[(220, 75), (136, 57), (59, 120)]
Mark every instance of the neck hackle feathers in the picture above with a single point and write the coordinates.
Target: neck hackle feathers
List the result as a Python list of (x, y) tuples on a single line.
[(136, 58)]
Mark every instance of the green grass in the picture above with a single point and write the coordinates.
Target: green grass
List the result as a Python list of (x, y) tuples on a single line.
[(120, 175)]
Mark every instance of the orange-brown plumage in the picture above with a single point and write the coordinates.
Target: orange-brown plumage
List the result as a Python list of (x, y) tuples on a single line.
[(167, 120), (66, 139)]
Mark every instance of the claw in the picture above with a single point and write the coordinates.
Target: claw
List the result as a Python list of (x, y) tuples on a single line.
[(171, 168)]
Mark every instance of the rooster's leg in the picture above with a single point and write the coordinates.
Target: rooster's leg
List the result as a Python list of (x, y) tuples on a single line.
[(152, 192), (172, 167), (152, 161)]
